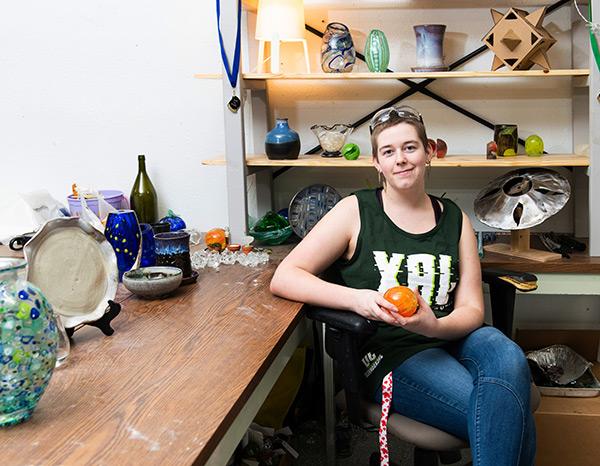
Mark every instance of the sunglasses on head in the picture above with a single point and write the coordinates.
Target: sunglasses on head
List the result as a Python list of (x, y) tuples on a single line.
[(403, 112)]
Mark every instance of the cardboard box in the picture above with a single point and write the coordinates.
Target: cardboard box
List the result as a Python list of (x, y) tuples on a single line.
[(568, 429)]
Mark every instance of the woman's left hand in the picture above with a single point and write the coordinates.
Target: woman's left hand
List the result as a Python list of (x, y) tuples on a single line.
[(423, 322)]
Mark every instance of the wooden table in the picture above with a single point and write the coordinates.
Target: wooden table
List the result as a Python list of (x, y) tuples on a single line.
[(178, 382)]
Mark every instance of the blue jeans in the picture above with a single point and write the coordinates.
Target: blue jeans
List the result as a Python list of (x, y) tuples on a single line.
[(478, 389)]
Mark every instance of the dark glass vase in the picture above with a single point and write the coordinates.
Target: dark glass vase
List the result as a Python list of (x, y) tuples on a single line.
[(337, 50), (148, 258), (282, 142), (143, 195)]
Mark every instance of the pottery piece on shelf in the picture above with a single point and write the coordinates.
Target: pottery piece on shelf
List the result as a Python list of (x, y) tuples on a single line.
[(75, 267), (332, 138), (153, 282), (377, 51), (29, 341), (282, 142), (337, 50), (430, 47)]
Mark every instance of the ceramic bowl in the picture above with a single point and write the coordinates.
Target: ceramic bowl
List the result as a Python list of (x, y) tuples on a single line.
[(152, 282)]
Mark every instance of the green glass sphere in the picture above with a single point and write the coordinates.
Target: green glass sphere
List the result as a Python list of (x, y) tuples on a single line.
[(534, 145), (350, 151)]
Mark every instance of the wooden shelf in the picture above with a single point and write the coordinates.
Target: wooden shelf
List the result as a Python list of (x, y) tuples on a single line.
[(252, 5), (315, 160), (405, 75)]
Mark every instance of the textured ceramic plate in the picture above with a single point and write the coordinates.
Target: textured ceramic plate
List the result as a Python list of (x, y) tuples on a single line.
[(75, 267), (309, 205)]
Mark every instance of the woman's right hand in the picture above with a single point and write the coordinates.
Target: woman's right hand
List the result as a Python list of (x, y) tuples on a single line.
[(371, 305)]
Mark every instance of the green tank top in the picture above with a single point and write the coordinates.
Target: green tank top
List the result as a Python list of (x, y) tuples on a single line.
[(388, 256)]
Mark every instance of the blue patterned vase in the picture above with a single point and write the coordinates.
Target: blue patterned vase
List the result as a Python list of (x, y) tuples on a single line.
[(282, 142), (337, 50), (173, 250), (148, 258), (123, 233), (28, 343)]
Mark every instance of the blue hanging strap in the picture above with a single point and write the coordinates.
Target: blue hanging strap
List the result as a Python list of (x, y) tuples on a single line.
[(232, 73)]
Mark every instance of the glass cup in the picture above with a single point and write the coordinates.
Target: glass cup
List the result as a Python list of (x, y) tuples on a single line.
[(173, 250)]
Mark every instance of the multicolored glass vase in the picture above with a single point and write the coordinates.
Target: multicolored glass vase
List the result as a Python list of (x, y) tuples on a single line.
[(28, 343), (123, 233), (337, 50), (377, 51)]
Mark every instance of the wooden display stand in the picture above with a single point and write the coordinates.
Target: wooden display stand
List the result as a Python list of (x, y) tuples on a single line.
[(519, 247)]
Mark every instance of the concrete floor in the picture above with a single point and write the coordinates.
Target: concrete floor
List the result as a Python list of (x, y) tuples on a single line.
[(309, 440)]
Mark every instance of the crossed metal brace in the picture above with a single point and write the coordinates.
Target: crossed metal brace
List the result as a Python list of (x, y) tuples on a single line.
[(422, 88)]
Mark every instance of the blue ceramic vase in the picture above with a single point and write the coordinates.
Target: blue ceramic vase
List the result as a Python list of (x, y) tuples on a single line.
[(28, 343), (123, 233), (173, 250), (148, 258), (337, 50), (282, 142)]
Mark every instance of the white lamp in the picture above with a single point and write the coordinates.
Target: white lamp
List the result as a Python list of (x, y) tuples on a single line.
[(279, 21)]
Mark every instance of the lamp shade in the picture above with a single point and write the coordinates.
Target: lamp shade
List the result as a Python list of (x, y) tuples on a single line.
[(280, 20)]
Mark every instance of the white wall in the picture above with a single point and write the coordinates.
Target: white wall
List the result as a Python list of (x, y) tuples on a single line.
[(86, 86)]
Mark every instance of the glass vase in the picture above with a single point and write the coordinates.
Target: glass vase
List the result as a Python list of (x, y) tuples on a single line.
[(29, 339), (377, 51), (123, 233), (337, 49)]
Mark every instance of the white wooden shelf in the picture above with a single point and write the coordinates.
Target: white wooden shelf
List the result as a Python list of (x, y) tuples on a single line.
[(316, 160), (406, 75)]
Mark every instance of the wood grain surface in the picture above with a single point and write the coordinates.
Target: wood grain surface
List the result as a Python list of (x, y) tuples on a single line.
[(167, 385)]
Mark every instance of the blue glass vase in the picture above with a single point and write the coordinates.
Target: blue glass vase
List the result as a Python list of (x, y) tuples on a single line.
[(282, 142), (28, 343), (337, 50), (173, 250), (148, 258), (123, 233)]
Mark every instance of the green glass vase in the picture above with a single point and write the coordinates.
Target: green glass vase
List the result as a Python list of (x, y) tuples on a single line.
[(377, 51), (143, 195)]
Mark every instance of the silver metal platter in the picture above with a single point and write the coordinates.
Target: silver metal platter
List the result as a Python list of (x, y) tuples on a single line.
[(522, 198), (75, 267), (309, 205)]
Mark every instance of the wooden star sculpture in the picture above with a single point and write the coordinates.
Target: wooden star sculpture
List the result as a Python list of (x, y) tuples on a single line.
[(519, 40)]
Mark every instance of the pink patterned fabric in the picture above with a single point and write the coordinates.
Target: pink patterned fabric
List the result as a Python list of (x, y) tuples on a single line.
[(386, 402)]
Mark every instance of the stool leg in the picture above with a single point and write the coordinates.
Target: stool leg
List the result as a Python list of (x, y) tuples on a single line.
[(260, 62), (304, 43), (329, 401)]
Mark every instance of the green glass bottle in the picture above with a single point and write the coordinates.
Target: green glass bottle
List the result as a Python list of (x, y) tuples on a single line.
[(143, 195)]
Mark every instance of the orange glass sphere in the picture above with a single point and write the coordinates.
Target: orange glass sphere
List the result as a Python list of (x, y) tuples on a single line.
[(216, 239), (404, 299)]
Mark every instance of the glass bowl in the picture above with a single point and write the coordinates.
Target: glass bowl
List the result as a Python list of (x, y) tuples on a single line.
[(332, 138)]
